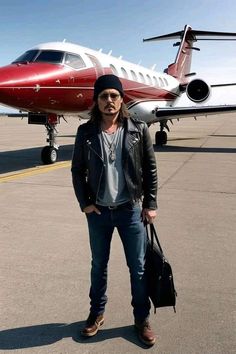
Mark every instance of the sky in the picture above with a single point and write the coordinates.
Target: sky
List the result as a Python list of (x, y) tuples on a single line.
[(120, 26)]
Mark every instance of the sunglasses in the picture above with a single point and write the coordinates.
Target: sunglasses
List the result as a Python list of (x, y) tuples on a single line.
[(105, 96)]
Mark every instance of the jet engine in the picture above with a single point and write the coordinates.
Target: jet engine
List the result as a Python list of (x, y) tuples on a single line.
[(197, 90)]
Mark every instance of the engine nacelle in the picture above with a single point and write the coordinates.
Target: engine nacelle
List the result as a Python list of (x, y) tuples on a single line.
[(198, 90)]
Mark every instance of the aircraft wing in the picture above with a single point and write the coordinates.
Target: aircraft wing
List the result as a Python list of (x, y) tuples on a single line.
[(14, 115), (168, 113), (194, 111)]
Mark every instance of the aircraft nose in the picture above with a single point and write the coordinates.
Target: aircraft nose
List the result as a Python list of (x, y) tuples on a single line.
[(11, 82)]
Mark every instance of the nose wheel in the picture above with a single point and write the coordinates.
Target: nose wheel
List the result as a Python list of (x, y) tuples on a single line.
[(49, 155)]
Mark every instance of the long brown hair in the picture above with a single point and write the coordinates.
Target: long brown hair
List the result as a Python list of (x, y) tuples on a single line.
[(96, 116)]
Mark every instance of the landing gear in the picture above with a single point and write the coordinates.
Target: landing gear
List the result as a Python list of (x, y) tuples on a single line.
[(161, 136), (49, 153)]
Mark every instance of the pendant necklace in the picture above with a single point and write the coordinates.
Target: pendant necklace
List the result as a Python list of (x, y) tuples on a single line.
[(111, 144)]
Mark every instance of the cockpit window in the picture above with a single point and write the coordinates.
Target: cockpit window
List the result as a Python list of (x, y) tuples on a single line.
[(50, 56), (74, 60), (26, 57)]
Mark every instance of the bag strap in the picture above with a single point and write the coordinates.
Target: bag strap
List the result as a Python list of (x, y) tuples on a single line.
[(153, 235)]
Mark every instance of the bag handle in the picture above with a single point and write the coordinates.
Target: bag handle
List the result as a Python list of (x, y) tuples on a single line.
[(153, 235)]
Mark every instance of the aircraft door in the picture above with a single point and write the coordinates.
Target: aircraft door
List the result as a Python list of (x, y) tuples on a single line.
[(97, 65)]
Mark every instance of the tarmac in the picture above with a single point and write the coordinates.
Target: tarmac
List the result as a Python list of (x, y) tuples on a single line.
[(45, 256)]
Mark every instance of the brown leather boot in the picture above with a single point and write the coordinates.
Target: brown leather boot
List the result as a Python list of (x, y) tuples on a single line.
[(92, 325), (145, 332)]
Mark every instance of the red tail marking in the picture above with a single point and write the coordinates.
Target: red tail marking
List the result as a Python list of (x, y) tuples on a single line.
[(181, 67)]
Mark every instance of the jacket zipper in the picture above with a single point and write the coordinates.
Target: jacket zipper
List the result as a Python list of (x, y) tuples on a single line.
[(88, 142)]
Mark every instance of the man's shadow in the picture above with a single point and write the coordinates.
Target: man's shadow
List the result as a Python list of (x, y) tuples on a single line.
[(45, 334)]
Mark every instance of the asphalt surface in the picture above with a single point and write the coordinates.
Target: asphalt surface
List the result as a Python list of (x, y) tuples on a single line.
[(45, 257)]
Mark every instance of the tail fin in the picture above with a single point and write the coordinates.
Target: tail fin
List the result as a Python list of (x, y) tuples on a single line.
[(181, 67)]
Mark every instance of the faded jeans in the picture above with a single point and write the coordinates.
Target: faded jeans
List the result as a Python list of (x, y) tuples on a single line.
[(127, 220)]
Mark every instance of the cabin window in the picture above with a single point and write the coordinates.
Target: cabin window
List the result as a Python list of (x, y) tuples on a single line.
[(134, 76), (142, 78), (124, 73), (161, 82), (149, 80), (50, 56), (27, 57), (155, 81), (74, 60), (114, 70)]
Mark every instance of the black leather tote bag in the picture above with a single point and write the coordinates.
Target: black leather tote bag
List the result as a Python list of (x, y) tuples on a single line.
[(158, 271)]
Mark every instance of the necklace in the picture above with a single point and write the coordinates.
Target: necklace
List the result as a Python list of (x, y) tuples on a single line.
[(111, 144)]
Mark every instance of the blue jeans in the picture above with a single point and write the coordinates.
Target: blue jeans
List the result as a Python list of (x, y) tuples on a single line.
[(127, 220)]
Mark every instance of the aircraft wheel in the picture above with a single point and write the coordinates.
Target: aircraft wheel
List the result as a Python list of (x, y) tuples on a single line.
[(49, 155), (160, 138)]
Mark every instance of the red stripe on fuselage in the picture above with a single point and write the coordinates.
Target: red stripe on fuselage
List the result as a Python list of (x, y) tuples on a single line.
[(51, 87)]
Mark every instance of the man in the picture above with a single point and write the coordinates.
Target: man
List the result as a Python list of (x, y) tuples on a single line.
[(113, 170)]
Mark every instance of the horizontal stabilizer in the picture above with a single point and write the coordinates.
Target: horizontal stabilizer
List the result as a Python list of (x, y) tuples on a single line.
[(180, 69), (194, 34)]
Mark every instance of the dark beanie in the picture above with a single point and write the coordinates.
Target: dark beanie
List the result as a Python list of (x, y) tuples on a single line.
[(107, 82)]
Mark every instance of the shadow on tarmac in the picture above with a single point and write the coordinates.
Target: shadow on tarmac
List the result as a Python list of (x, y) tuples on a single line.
[(27, 158), (224, 135), (16, 160), (193, 149), (46, 334)]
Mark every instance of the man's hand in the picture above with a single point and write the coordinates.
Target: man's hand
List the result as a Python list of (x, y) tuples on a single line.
[(149, 215), (90, 209)]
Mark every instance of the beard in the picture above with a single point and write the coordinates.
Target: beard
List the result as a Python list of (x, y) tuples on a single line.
[(109, 114)]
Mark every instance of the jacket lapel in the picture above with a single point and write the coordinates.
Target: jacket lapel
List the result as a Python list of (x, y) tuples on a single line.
[(93, 141), (131, 137)]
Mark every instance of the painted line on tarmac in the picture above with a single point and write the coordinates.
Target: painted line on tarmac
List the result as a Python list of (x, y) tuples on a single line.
[(34, 171)]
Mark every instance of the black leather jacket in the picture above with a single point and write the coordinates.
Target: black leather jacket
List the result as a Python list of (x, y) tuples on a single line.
[(139, 164)]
